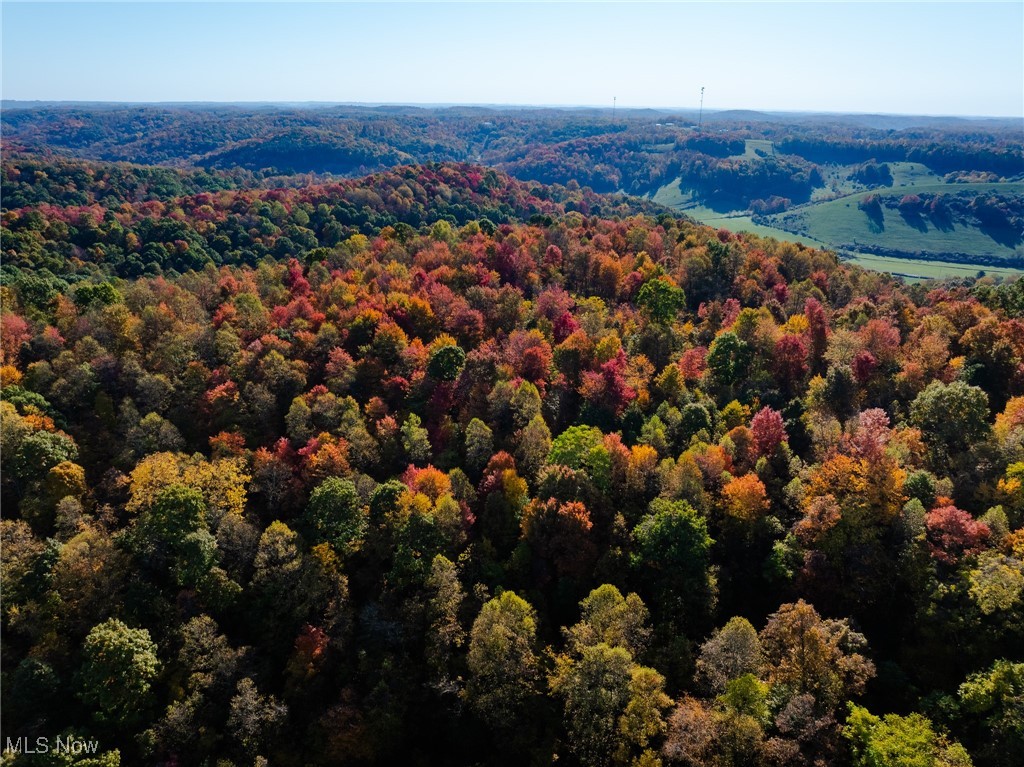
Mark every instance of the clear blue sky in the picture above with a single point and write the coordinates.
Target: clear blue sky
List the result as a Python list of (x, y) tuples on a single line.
[(909, 57)]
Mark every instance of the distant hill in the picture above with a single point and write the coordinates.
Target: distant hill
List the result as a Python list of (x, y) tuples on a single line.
[(749, 162), (242, 226)]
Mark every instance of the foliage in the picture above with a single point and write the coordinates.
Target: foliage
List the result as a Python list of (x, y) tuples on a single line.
[(118, 670), (399, 468)]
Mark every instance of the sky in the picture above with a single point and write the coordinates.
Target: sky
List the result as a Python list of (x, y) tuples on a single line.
[(937, 58)]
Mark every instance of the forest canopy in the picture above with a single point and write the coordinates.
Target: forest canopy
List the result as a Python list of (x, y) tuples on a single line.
[(438, 466)]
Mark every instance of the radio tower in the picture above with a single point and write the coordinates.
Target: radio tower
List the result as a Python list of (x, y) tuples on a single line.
[(700, 117), (614, 99)]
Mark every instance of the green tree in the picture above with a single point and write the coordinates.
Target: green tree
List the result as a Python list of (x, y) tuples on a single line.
[(445, 635), (533, 446), (479, 446), (613, 707), (899, 741), (196, 557), (609, 618), (415, 439), (952, 417), (574, 446), (446, 362), (503, 663), (673, 559), (728, 359), (177, 512), (335, 514), (661, 300), (117, 673), (995, 698)]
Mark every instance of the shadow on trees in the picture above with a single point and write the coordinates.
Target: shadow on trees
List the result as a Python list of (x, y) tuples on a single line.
[(1003, 234), (914, 219), (876, 219), (941, 220)]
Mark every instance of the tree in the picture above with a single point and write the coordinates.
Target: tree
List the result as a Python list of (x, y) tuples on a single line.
[(118, 669), (534, 444), (278, 570), (38, 452), (997, 583), (574, 446), (994, 698), (446, 362), (445, 635), (672, 557), (728, 359), (899, 741), (609, 618), (731, 652), (692, 734), (503, 663), (789, 361), (768, 430), (745, 498), (613, 707), (176, 512), (254, 720), (504, 495), (415, 440), (479, 446), (207, 657), (953, 533), (335, 514), (661, 300), (89, 578), (952, 417), (840, 394), (806, 654), (559, 533)]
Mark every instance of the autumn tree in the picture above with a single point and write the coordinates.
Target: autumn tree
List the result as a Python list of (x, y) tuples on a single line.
[(731, 652), (810, 655), (609, 618)]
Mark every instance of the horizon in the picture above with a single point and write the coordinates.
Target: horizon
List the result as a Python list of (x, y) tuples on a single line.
[(497, 106), (787, 57)]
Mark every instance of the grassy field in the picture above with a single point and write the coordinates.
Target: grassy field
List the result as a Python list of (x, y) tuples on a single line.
[(739, 222), (915, 269), (831, 223), (841, 222), (910, 268), (755, 144), (672, 196), (912, 174), (838, 183)]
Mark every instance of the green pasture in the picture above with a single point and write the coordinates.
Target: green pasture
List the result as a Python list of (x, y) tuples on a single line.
[(916, 269), (841, 222), (671, 196), (740, 222)]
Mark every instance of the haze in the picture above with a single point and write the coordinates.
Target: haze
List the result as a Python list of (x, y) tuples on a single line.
[(906, 58)]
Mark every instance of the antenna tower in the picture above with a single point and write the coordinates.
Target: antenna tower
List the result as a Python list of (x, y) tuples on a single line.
[(700, 117), (614, 100)]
